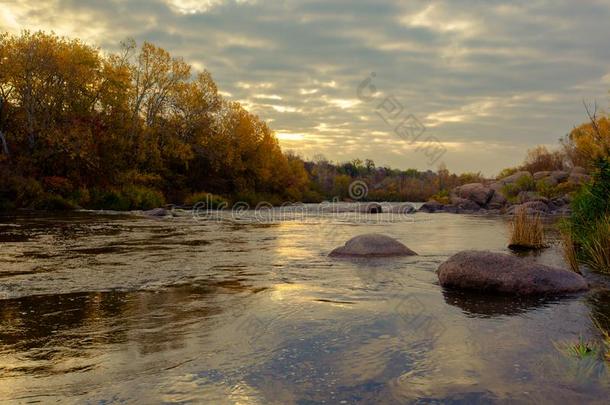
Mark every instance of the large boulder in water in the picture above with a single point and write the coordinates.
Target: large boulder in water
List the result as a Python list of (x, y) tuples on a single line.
[(372, 245), (499, 272)]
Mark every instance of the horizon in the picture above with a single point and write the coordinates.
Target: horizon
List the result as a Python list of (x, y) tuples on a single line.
[(498, 79)]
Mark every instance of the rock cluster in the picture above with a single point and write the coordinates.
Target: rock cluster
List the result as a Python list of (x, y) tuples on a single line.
[(489, 196)]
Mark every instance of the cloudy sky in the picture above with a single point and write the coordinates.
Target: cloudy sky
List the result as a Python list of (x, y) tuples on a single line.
[(487, 79)]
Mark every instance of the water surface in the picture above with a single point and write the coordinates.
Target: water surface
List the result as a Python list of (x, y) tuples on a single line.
[(124, 308)]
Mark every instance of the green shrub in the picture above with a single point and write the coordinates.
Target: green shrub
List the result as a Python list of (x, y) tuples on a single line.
[(589, 223), (511, 191), (143, 198), (54, 202), (129, 198), (6, 204), (58, 185), (212, 201), (253, 199), (27, 192), (441, 197), (81, 196), (312, 196), (108, 200), (545, 189), (507, 172)]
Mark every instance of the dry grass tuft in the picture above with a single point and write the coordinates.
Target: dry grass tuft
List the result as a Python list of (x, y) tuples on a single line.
[(596, 247), (569, 251), (527, 231)]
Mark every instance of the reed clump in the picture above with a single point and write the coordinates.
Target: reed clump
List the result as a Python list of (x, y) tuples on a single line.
[(527, 231), (569, 250), (596, 246)]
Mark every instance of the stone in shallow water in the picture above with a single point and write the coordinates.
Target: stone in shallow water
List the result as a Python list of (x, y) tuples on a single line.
[(372, 245), (371, 208), (157, 212), (499, 272)]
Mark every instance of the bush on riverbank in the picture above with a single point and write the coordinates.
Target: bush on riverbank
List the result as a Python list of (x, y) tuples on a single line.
[(589, 223), (211, 201), (128, 198)]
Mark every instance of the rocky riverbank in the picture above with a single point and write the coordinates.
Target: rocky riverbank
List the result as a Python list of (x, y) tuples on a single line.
[(544, 193)]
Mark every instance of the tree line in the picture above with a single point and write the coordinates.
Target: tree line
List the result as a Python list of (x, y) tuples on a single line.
[(138, 128)]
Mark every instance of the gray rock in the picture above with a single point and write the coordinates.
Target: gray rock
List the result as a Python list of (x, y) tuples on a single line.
[(560, 175), (513, 178), (578, 170), (157, 212), (372, 245), (403, 209), (528, 196), (531, 207), (452, 209), (499, 272), (541, 175), (497, 186), (549, 181), (370, 208), (462, 204), (578, 178), (476, 192), (431, 206), (564, 211), (560, 201), (497, 201)]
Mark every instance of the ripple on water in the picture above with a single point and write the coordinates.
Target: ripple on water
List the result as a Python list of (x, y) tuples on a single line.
[(122, 308)]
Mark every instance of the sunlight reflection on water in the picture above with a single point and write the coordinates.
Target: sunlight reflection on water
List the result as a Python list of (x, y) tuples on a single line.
[(125, 308)]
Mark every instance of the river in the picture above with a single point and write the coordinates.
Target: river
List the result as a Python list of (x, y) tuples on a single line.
[(122, 308)]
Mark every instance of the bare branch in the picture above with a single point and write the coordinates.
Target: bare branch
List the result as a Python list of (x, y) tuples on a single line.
[(593, 119)]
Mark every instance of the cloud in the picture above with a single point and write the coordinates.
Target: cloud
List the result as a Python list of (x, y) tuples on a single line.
[(493, 76)]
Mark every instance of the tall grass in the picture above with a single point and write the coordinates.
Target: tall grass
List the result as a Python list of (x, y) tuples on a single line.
[(589, 223), (569, 250), (596, 246), (527, 231)]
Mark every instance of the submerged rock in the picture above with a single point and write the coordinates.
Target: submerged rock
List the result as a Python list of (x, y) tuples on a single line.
[(405, 208), (499, 272), (372, 245), (157, 212)]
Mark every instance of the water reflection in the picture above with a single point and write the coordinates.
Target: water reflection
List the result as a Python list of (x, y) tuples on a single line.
[(490, 305), (124, 309)]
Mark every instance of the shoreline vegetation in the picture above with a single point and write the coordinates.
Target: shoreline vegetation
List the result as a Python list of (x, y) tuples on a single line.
[(138, 129)]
